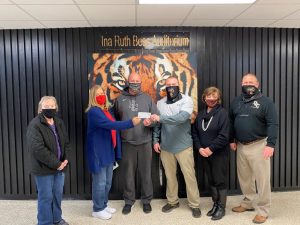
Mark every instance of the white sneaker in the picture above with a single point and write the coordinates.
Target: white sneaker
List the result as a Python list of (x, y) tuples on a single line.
[(110, 210), (103, 214)]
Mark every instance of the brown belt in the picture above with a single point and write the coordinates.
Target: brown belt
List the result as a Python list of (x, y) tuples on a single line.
[(251, 142)]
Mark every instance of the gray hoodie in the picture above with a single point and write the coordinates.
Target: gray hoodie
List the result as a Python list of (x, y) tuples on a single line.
[(128, 106)]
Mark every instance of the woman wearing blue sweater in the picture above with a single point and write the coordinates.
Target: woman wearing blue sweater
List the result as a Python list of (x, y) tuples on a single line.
[(103, 149)]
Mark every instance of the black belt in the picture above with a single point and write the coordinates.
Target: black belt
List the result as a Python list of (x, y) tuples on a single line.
[(250, 142)]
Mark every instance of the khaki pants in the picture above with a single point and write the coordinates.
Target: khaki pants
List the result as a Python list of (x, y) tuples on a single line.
[(251, 168), (185, 159)]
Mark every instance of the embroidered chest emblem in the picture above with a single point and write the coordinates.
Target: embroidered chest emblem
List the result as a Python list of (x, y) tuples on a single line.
[(133, 106), (255, 105)]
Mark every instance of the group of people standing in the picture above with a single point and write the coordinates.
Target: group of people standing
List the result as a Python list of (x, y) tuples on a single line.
[(250, 129)]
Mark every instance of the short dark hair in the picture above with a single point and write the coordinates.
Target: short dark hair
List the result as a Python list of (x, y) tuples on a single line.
[(173, 77)]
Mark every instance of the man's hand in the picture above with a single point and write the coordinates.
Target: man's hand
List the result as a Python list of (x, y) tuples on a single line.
[(233, 146), (268, 152), (63, 165), (147, 122), (156, 147), (154, 118)]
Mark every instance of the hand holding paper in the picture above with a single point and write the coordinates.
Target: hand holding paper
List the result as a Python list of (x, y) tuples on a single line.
[(136, 120), (147, 122), (155, 118)]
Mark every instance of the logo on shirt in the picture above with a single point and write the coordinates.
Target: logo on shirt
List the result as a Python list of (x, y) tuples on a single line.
[(255, 105), (133, 106)]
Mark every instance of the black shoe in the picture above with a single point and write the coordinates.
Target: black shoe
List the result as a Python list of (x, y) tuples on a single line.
[(126, 209), (219, 213), (168, 207), (196, 212), (213, 210), (62, 222), (147, 208)]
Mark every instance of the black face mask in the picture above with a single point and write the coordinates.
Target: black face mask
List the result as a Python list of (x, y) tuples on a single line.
[(249, 90), (49, 113), (173, 94)]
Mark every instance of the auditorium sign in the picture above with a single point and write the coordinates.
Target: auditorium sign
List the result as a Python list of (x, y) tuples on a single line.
[(157, 41)]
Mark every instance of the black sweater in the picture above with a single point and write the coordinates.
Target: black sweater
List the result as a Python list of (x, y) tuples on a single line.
[(42, 145), (253, 120), (216, 137)]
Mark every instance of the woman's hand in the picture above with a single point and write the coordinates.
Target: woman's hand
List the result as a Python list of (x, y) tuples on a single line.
[(63, 165), (136, 120)]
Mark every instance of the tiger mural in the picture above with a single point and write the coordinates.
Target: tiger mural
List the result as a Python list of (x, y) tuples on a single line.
[(111, 71)]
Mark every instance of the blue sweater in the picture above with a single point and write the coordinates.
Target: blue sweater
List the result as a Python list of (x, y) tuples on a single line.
[(100, 151)]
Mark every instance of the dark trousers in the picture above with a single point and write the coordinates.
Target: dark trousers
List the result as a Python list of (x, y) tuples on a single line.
[(216, 169), (136, 161)]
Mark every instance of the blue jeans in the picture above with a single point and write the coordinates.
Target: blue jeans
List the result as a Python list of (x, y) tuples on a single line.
[(101, 185), (50, 191)]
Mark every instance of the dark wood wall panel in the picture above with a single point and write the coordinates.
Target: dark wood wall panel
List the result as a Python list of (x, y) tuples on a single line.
[(39, 62)]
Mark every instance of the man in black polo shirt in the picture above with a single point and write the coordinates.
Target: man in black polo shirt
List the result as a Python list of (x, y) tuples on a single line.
[(253, 134)]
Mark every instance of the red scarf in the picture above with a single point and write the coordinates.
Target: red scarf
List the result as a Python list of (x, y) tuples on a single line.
[(113, 132)]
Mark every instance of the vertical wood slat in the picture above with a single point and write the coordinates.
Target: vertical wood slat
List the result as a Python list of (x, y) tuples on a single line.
[(70, 184), (297, 120), (14, 114), (31, 107), (288, 97), (19, 114), (11, 185), (79, 111), (2, 113), (282, 116), (295, 111), (41, 62), (229, 85), (276, 92)]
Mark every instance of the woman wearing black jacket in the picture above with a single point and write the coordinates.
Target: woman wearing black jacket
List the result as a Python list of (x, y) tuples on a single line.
[(48, 144), (211, 138)]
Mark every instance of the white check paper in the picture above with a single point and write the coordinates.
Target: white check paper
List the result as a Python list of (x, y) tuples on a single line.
[(144, 115)]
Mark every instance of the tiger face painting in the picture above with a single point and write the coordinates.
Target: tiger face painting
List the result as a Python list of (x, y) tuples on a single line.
[(111, 71)]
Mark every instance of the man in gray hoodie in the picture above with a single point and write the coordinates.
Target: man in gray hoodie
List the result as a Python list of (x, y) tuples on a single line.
[(136, 144)]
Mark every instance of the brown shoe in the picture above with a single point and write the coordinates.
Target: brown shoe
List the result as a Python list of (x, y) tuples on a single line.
[(259, 219), (240, 209)]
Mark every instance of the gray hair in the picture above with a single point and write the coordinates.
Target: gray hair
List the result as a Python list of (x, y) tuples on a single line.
[(45, 98)]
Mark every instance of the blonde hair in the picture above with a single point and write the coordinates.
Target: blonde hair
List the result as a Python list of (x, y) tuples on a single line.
[(45, 98), (92, 99), (211, 90)]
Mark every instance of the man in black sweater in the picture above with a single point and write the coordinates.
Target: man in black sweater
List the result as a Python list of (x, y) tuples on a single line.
[(254, 132)]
